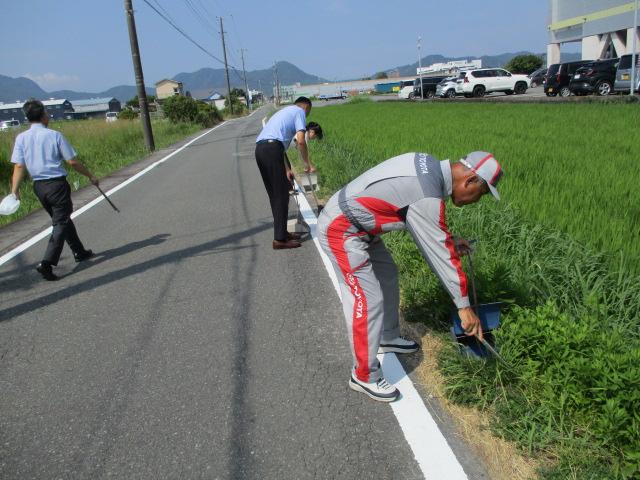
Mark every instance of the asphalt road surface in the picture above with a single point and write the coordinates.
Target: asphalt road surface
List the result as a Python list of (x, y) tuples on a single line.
[(187, 348)]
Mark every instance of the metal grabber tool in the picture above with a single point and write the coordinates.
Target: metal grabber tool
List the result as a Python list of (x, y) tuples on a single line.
[(476, 309)]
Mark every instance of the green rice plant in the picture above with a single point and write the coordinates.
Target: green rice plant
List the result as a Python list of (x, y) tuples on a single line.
[(570, 166), (103, 147), (571, 320)]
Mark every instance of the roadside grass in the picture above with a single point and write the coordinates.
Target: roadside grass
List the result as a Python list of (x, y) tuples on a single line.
[(103, 147), (560, 250)]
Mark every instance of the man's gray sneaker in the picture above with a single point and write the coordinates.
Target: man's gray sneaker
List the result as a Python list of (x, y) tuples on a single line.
[(398, 345)]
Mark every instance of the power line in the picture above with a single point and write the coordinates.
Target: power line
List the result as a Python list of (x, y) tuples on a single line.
[(181, 32)]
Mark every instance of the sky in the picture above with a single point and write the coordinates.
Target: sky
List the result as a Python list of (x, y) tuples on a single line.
[(83, 45)]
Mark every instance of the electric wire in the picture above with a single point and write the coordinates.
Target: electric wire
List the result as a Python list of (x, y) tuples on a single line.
[(185, 35)]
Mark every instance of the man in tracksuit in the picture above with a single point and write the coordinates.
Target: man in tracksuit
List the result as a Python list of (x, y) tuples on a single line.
[(404, 192)]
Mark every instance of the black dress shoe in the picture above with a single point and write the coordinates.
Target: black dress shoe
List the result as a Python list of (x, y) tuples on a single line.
[(82, 256), (46, 271), (279, 245)]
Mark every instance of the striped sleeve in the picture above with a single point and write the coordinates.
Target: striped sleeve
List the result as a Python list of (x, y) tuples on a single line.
[(426, 222)]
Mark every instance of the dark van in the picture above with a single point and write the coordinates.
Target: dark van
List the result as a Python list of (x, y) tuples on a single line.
[(429, 84), (559, 75)]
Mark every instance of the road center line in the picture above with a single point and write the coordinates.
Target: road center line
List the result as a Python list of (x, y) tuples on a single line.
[(430, 448)]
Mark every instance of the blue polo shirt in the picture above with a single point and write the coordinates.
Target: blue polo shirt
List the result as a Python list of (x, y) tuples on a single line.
[(42, 151), (284, 124)]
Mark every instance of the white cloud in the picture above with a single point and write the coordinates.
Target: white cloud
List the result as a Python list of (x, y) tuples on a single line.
[(54, 81)]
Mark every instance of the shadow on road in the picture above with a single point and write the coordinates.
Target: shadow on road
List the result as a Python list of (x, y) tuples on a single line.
[(212, 246)]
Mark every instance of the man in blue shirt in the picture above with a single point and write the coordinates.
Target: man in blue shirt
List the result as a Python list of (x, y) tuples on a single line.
[(41, 152), (276, 135)]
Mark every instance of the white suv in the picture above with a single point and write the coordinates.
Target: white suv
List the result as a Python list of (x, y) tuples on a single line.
[(476, 83)]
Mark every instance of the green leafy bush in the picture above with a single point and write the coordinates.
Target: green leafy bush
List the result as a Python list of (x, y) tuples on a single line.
[(127, 114), (180, 108)]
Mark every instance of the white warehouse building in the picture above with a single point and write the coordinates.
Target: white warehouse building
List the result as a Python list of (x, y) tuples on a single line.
[(604, 27)]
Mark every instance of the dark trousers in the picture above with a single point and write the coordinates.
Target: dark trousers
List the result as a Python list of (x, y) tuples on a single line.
[(55, 197), (270, 158)]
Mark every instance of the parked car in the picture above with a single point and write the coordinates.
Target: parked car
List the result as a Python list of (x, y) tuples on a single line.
[(406, 93), (623, 74), (537, 77), (559, 76), (595, 77), (477, 83), (334, 96), (429, 85), (111, 116), (9, 125), (447, 88)]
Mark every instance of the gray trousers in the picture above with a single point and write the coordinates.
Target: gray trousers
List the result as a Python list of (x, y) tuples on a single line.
[(368, 279)]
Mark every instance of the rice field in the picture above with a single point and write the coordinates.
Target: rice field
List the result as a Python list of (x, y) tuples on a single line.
[(103, 147), (561, 250)]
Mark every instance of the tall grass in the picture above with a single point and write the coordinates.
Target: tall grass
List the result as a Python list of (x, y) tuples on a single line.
[(103, 147), (561, 250), (574, 167)]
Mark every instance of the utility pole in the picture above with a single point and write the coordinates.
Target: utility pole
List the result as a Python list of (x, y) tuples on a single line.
[(261, 92), (244, 74), (275, 69), (137, 69), (420, 67), (634, 54), (226, 67)]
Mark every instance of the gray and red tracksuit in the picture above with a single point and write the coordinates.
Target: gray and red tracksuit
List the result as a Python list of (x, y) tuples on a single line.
[(407, 191)]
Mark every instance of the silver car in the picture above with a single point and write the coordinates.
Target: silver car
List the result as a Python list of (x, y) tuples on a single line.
[(623, 74), (447, 88)]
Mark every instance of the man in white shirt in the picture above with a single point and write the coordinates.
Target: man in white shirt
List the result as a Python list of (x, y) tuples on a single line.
[(270, 156), (41, 152)]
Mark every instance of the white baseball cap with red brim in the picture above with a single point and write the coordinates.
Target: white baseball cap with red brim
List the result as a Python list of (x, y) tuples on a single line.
[(486, 167)]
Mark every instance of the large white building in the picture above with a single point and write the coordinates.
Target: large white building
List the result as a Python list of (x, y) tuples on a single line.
[(604, 28), (449, 67)]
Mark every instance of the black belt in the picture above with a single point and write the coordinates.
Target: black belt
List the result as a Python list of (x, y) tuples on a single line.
[(346, 210), (270, 140)]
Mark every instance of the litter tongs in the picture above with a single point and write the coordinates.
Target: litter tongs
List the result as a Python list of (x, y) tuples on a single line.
[(476, 309)]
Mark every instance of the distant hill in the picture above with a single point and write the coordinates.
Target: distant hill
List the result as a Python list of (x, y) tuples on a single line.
[(488, 61), (202, 82), (21, 88)]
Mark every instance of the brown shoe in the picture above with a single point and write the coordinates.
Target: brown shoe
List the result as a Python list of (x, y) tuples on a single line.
[(293, 236), (279, 245)]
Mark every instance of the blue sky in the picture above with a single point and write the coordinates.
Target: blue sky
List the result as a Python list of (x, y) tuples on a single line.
[(83, 44)]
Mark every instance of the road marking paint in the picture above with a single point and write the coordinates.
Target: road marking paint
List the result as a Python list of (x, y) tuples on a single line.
[(43, 234), (430, 448)]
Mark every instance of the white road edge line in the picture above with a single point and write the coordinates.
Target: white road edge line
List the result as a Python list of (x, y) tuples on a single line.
[(430, 448), (43, 234)]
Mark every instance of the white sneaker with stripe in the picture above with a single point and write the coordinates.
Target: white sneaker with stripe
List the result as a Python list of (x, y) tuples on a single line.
[(382, 391)]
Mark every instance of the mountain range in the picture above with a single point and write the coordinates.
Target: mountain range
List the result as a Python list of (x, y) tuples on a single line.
[(203, 82)]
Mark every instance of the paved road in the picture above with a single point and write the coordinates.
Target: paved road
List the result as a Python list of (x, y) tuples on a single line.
[(188, 348)]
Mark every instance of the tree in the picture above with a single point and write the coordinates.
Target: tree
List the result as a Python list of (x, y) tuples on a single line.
[(381, 75), (180, 108), (237, 92), (524, 64), (127, 113), (134, 102)]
